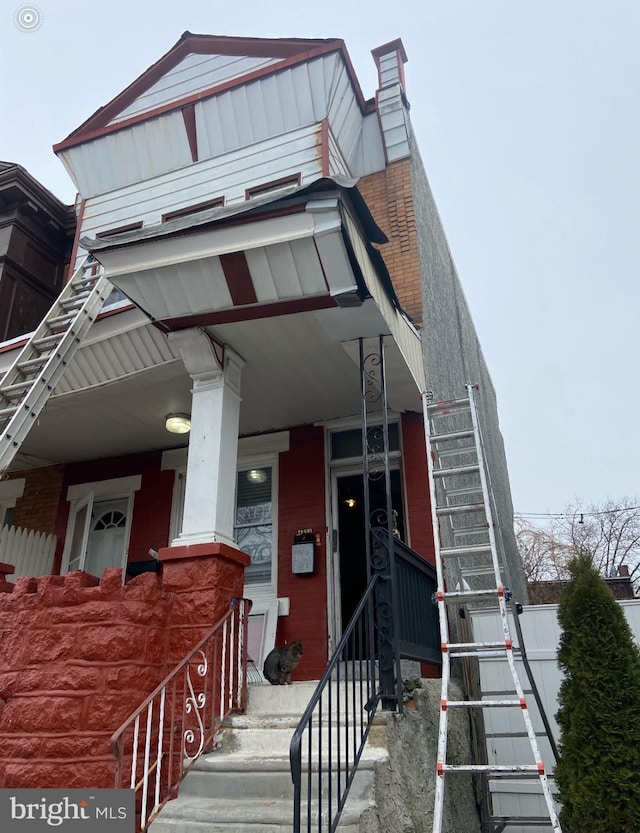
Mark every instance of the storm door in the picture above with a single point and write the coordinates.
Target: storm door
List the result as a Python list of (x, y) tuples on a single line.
[(349, 566)]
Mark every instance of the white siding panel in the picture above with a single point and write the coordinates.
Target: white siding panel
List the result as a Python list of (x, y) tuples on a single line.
[(226, 176), (285, 101), (109, 359), (261, 275), (193, 75), (186, 292), (130, 155), (368, 155), (337, 163), (284, 271), (308, 267)]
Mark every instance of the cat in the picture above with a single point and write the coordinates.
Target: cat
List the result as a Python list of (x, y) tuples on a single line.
[(281, 662)]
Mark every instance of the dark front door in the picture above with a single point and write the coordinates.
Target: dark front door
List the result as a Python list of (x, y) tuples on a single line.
[(351, 532)]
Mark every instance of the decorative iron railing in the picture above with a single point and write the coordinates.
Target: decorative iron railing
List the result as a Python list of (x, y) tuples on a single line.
[(362, 675), (159, 743), (329, 739)]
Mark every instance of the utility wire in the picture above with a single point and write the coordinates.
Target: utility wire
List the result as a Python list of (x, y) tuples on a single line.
[(574, 514)]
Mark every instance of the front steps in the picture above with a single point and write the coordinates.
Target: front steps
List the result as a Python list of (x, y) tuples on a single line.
[(245, 785)]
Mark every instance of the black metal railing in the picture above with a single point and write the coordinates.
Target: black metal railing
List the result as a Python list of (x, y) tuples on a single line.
[(418, 627), (328, 742), (363, 674)]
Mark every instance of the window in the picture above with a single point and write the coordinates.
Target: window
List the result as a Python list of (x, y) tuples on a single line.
[(272, 187), (6, 513), (193, 209), (348, 444), (254, 522)]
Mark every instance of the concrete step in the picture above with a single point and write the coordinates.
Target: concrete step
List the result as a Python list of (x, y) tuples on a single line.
[(251, 815), (214, 778), (245, 786)]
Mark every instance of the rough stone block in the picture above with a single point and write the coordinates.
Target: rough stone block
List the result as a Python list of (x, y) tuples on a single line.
[(41, 714), (110, 643), (48, 645), (49, 775)]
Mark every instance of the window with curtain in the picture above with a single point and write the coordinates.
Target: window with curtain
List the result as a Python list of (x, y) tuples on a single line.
[(254, 522)]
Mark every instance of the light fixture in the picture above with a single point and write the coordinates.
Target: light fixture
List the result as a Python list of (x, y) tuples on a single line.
[(350, 502), (256, 475), (178, 423)]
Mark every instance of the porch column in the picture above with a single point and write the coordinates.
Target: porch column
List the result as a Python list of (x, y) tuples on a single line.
[(213, 443)]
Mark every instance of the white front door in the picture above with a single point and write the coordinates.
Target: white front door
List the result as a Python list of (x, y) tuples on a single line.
[(107, 536)]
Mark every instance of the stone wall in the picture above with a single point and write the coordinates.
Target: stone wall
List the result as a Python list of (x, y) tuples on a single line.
[(405, 783), (79, 655)]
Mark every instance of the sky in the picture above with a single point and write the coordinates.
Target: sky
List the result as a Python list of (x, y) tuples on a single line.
[(527, 119)]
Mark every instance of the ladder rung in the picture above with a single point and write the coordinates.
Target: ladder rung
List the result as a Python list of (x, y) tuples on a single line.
[(461, 509), (447, 405), (470, 530), (58, 321), (483, 704), (521, 821), (470, 550), (453, 435), (76, 301), (18, 387), (469, 572), (8, 412), (48, 342), (28, 364), (455, 470), (479, 646), (525, 770), (485, 654), (462, 596)]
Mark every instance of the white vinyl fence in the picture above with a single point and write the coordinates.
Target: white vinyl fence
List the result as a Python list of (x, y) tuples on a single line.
[(504, 729), (29, 551)]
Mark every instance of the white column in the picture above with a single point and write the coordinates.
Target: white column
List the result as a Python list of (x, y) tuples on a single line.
[(213, 441)]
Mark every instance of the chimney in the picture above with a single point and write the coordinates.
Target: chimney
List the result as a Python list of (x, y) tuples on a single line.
[(390, 59), (623, 571)]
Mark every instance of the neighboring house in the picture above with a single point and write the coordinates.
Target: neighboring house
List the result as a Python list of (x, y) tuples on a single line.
[(263, 223)]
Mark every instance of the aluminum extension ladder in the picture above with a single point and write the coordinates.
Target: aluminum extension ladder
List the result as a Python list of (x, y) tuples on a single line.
[(29, 382), (469, 571)]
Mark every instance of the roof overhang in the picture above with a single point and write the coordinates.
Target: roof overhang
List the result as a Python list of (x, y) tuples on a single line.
[(301, 347), (308, 250)]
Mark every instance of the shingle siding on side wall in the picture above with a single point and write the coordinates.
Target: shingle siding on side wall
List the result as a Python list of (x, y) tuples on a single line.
[(453, 356)]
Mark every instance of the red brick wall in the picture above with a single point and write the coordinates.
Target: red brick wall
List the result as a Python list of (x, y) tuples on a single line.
[(151, 514), (301, 505), (418, 504), (389, 196), (38, 507)]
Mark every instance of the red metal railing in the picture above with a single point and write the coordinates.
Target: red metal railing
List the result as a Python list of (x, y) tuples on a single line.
[(159, 743)]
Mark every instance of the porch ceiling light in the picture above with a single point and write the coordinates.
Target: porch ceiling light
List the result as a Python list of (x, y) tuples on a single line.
[(256, 475), (178, 423)]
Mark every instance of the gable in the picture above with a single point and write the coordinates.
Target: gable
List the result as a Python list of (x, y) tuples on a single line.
[(193, 75), (199, 66)]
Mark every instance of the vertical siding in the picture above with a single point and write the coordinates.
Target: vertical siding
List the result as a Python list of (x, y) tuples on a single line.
[(193, 75), (130, 155)]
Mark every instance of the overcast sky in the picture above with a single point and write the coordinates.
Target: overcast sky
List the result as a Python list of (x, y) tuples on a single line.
[(526, 115)]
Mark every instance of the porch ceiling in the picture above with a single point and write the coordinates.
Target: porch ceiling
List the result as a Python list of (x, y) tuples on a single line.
[(297, 371)]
